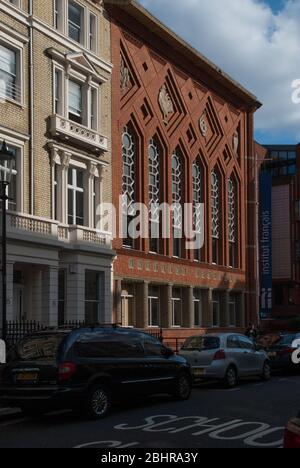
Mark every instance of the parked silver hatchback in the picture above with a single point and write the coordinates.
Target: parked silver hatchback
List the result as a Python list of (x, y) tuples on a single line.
[(226, 357)]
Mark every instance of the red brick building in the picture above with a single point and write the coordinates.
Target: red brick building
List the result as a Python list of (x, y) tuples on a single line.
[(182, 131)]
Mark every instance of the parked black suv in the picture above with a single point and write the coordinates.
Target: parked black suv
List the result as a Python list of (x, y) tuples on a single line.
[(87, 367)]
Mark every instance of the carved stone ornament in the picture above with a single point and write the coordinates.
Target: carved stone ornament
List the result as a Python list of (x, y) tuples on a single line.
[(93, 169), (65, 159), (236, 142), (203, 125), (165, 103), (125, 79)]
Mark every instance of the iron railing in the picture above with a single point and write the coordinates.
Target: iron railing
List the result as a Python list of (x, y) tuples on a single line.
[(17, 330)]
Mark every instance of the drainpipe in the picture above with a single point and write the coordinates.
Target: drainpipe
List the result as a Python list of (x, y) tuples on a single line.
[(31, 112)]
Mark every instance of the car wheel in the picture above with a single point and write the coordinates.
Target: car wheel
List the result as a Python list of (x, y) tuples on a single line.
[(231, 378), (183, 387), (266, 375), (98, 402)]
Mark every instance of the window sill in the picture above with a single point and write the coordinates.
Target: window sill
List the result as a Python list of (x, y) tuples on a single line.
[(4, 100)]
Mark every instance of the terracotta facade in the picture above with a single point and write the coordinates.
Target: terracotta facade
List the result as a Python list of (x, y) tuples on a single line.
[(162, 91)]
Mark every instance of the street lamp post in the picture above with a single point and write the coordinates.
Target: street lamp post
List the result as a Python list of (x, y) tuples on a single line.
[(7, 160)]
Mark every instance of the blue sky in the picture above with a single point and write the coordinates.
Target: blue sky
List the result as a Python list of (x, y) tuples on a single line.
[(276, 5), (257, 42)]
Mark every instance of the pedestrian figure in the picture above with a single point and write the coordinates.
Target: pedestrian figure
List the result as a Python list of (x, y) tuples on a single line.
[(251, 332)]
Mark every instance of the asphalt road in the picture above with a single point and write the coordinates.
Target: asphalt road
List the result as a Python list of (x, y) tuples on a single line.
[(253, 415)]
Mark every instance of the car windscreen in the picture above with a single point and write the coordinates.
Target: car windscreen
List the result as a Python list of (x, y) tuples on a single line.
[(287, 340), (38, 348), (108, 345), (202, 343)]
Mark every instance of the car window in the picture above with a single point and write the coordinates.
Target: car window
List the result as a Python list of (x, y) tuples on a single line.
[(233, 342), (245, 343), (287, 340), (152, 347), (202, 343), (111, 345), (38, 348)]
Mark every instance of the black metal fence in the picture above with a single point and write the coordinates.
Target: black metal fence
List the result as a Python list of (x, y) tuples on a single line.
[(17, 330)]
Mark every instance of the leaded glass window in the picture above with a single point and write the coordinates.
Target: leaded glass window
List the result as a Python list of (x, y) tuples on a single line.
[(177, 176), (215, 202), (232, 221), (128, 187), (197, 199), (154, 194)]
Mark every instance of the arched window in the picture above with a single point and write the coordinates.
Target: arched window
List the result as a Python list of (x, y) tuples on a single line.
[(197, 199), (154, 194), (177, 175), (232, 222), (129, 186), (216, 225)]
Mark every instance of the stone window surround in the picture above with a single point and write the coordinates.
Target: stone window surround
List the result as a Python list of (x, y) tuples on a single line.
[(19, 146), (94, 172), (15, 3), (63, 24), (55, 35), (17, 46), (87, 82)]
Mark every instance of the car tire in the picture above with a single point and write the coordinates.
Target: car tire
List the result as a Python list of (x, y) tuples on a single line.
[(266, 375), (98, 402), (231, 377), (183, 386)]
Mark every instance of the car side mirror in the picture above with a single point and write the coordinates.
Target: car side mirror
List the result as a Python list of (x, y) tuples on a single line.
[(167, 352)]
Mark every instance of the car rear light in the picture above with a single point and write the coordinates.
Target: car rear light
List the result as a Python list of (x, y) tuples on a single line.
[(292, 436), (286, 351), (66, 370), (220, 355)]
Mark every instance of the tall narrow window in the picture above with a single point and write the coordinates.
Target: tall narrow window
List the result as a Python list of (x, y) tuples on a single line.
[(75, 21), (75, 196), (58, 98), (93, 33), (93, 281), (177, 308), (232, 222), (128, 188), (197, 308), (154, 194), (216, 303), (94, 109), (154, 307), (75, 102), (11, 189), (215, 202), (232, 310), (197, 199), (61, 296), (177, 203), (8, 74), (55, 190), (58, 14)]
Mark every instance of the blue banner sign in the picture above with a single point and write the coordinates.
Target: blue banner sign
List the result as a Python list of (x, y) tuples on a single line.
[(265, 228)]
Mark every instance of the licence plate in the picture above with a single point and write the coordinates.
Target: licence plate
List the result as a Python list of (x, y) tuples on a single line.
[(199, 372), (27, 377), (272, 355)]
